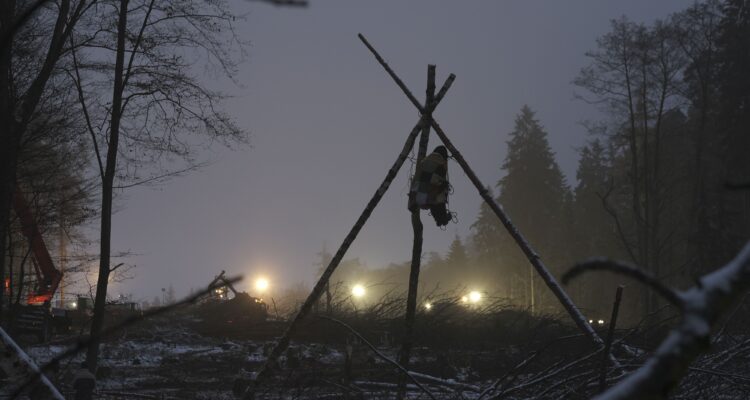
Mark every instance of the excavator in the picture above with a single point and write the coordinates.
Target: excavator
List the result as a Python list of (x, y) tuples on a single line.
[(37, 316), (219, 313)]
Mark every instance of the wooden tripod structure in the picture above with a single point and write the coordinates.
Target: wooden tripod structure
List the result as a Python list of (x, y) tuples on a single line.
[(426, 121)]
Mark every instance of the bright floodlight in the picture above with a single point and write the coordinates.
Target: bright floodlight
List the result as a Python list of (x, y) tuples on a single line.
[(428, 306), (261, 284), (358, 291), (475, 296)]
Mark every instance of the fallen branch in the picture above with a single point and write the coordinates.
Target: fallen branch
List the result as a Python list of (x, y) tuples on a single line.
[(499, 380), (722, 374), (12, 349), (555, 371), (629, 270), (453, 384), (83, 344), (130, 395), (704, 304), (381, 355)]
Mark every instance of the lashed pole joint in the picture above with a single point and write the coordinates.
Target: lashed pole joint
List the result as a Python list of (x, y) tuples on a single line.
[(283, 343), (521, 241)]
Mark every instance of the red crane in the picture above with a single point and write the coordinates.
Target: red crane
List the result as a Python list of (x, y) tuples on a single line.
[(48, 277)]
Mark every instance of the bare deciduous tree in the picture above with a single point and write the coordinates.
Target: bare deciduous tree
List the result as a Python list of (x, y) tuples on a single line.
[(157, 109), (23, 83), (635, 76)]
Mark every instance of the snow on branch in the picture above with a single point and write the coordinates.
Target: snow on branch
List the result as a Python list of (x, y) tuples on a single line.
[(704, 303), (381, 355), (21, 361)]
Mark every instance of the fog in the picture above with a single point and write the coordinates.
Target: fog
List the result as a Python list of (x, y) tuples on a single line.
[(326, 123)]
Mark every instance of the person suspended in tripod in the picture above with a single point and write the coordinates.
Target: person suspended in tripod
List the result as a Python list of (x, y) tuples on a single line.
[(430, 186)]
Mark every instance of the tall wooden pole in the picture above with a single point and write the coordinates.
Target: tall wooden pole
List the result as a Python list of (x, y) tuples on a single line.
[(416, 253), (531, 289), (610, 337), (520, 240), (283, 343)]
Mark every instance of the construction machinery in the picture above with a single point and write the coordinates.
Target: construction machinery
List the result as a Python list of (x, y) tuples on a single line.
[(37, 316), (48, 277), (225, 309)]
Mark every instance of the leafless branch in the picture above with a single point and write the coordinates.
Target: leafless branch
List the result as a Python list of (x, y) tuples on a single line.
[(169, 174), (516, 368), (84, 343), (11, 347), (113, 269), (622, 268), (381, 355), (620, 231), (8, 36), (737, 186), (284, 3), (704, 304)]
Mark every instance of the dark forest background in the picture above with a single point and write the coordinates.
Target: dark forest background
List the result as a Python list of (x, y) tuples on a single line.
[(662, 182)]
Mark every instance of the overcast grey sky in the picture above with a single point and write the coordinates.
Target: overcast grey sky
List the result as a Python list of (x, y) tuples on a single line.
[(327, 123)]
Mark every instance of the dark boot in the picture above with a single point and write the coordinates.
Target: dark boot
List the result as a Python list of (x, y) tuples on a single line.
[(440, 214)]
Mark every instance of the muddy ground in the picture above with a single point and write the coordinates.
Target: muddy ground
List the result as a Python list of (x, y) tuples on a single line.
[(506, 354), (180, 357)]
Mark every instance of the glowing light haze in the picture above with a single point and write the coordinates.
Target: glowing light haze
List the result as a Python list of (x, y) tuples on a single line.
[(327, 123)]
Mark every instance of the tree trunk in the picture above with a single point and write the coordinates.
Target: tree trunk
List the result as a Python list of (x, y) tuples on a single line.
[(7, 177), (107, 186), (329, 299), (14, 118), (8, 141)]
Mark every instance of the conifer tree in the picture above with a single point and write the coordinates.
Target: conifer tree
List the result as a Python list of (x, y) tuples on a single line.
[(484, 242), (457, 256), (533, 192), (451, 272)]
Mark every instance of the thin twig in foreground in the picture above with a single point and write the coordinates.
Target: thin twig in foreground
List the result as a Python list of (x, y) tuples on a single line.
[(83, 344), (622, 268), (381, 355)]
